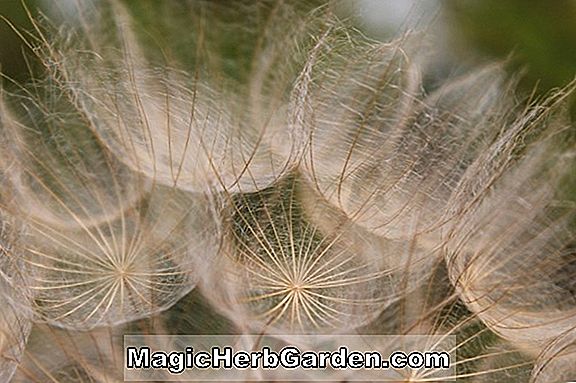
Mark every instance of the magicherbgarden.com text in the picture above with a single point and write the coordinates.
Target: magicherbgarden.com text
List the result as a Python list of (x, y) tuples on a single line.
[(307, 358), (290, 357)]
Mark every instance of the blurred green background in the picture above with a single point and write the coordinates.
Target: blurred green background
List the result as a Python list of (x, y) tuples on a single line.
[(539, 36)]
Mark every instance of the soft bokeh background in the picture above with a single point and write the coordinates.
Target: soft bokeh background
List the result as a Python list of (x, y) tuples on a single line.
[(539, 36)]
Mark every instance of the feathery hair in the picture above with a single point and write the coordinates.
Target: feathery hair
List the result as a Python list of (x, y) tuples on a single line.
[(262, 167)]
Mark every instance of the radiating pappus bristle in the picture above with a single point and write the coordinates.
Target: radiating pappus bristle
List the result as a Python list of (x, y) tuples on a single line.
[(185, 123), (264, 168), (103, 245), (293, 264), (383, 151), (510, 252)]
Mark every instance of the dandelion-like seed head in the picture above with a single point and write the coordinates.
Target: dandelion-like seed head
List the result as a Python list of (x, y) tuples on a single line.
[(283, 274), (129, 268), (304, 177)]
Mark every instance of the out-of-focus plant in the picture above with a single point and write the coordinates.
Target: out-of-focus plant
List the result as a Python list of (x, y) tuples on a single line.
[(263, 167), (540, 36)]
